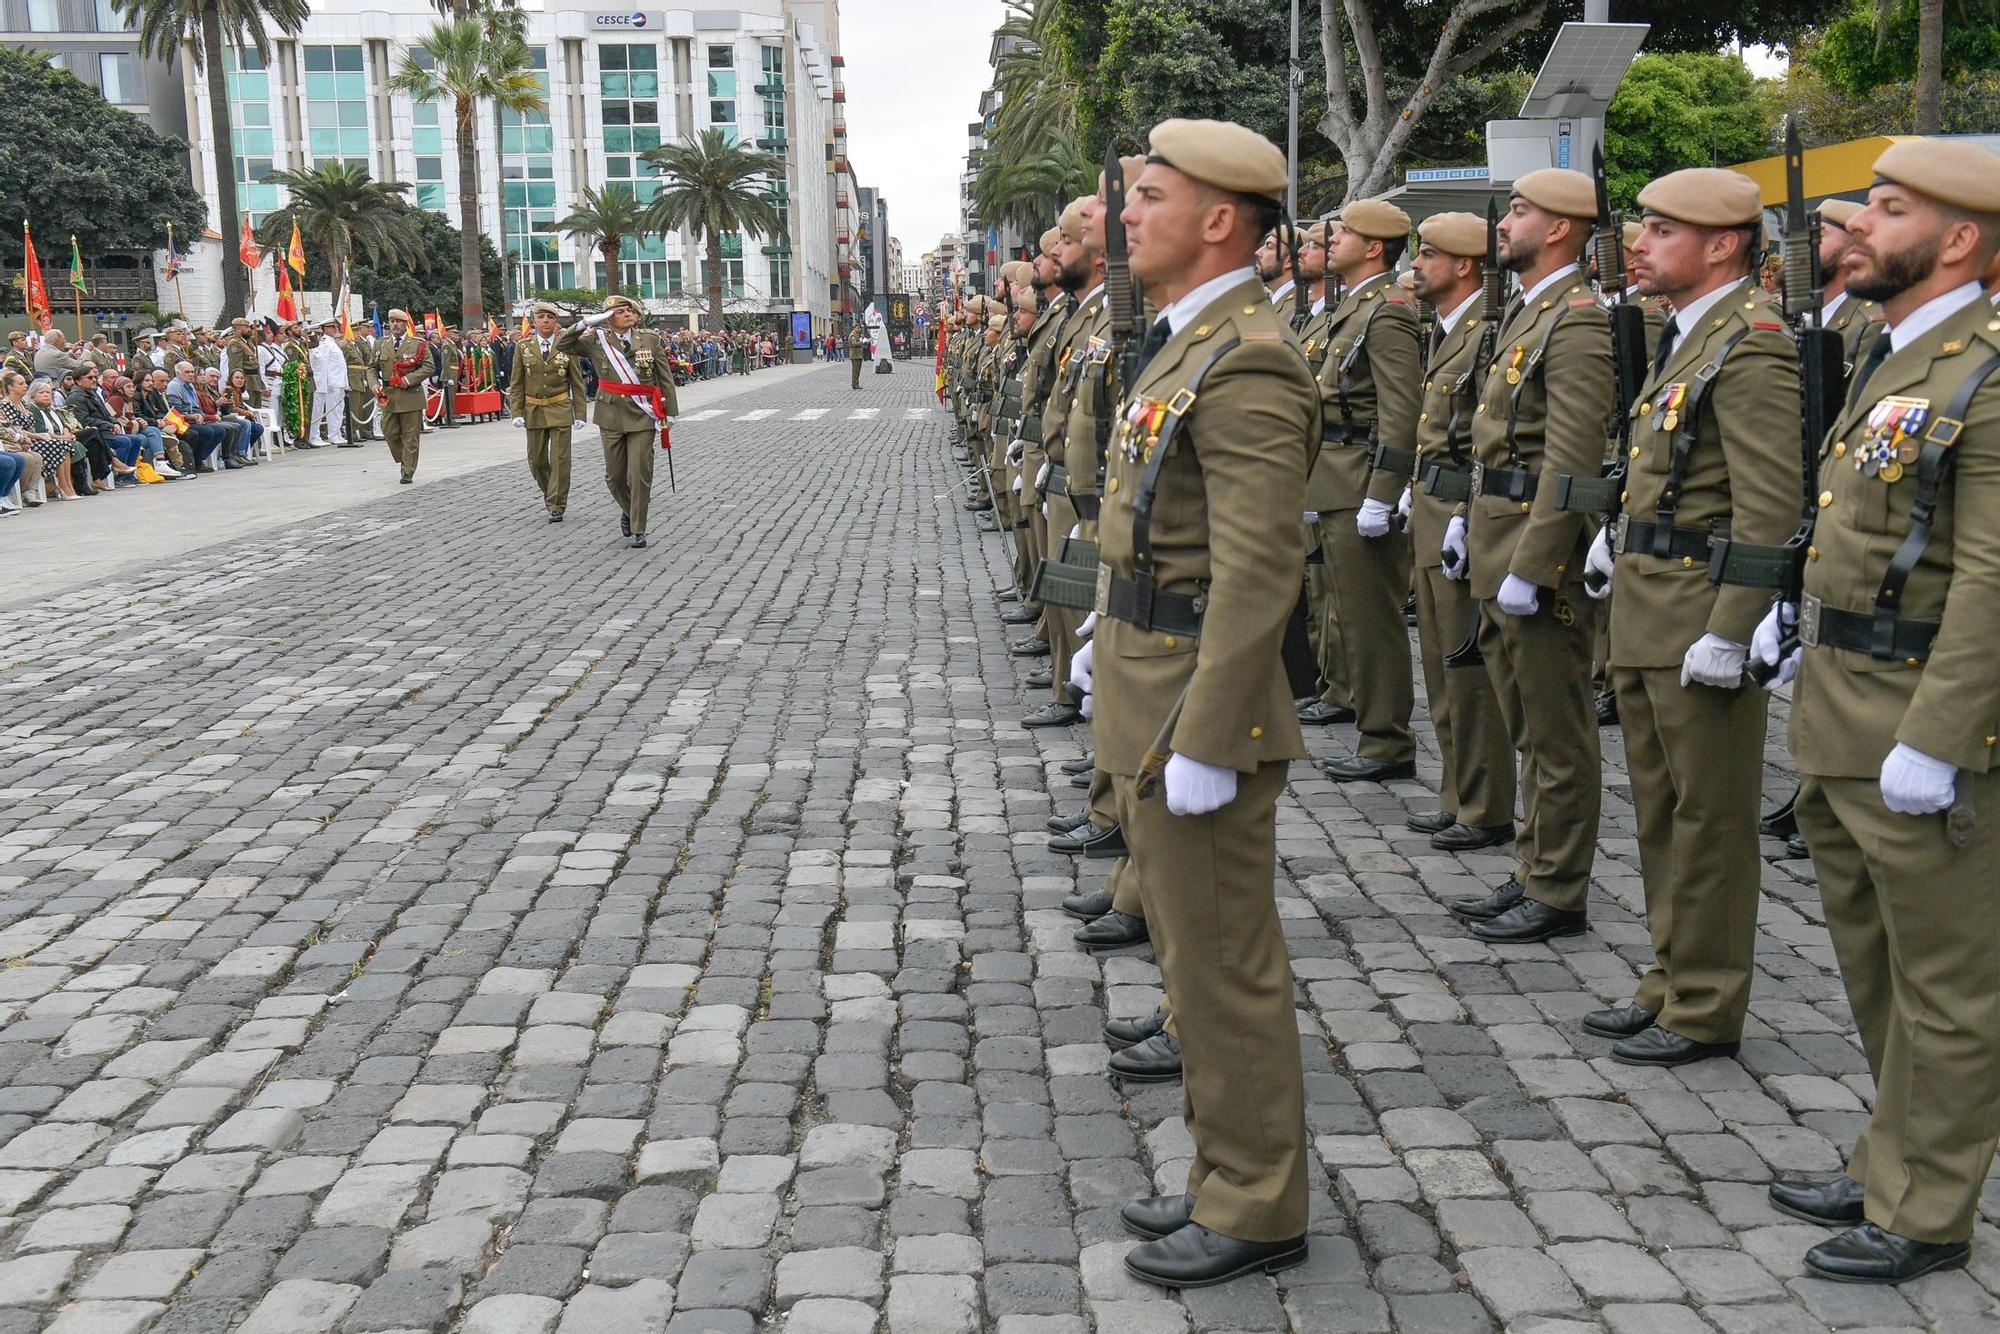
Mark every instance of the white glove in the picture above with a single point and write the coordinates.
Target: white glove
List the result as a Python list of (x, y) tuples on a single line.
[(1015, 449), (1089, 624), (1075, 530), (520, 421), (1597, 566), (1518, 597), (1310, 517), (1079, 668), (1083, 706), (1714, 661), (1915, 784), (1042, 477), (578, 424), (1373, 520), (1453, 548), (1045, 509), (1017, 483), (592, 321), (1194, 788), (1765, 643), (1403, 506)]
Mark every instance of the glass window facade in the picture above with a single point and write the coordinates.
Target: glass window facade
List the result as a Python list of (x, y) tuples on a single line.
[(528, 193), (336, 106), (251, 112), (771, 88), (44, 15), (629, 93), (108, 17), (118, 78), (722, 90)]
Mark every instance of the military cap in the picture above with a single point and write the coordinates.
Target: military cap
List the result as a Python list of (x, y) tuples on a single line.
[(1707, 197), (244, 321), (1132, 165), (546, 308), (1024, 299), (13, 334), (1559, 190), (1461, 234), (1837, 211), (997, 323), (1316, 233), (1223, 154), (1050, 240), (332, 322), (1017, 271), (1951, 171), (1071, 222), (402, 315), (1629, 234), (1375, 218), (620, 299)]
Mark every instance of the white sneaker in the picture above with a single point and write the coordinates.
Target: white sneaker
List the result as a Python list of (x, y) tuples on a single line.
[(166, 469)]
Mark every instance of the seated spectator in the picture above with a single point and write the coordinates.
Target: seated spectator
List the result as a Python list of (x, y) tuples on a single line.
[(247, 429), (113, 451), (54, 357), (94, 408), (20, 463), (29, 416), (151, 407), (208, 437)]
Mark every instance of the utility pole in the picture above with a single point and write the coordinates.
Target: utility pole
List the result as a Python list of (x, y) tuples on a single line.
[(1293, 77), (1590, 129)]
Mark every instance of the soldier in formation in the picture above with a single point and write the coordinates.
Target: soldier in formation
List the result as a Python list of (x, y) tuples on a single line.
[(545, 396)]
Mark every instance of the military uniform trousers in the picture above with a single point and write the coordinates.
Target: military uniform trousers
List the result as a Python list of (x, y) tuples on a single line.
[(1324, 625), (1060, 623), (1370, 578), (361, 414), (1695, 755), (548, 460), (628, 471), (1472, 736), (403, 430), (854, 366), (1540, 669), (1211, 908), (1915, 927)]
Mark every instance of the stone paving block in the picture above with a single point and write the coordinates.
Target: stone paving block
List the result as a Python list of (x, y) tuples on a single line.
[(838, 1271), (35, 1280), (141, 1275), (301, 1306), (104, 1317), (642, 1308)]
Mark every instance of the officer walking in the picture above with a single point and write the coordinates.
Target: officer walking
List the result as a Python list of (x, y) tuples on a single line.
[(545, 395), (402, 364), (635, 399), (359, 356)]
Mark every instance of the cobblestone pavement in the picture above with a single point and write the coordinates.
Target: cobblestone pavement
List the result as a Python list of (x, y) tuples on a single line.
[(425, 917)]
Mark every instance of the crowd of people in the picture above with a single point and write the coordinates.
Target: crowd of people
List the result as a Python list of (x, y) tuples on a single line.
[(1613, 483)]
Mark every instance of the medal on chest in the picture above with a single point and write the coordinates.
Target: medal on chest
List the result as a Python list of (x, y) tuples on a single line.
[(1668, 416), (1893, 425), (1140, 429), (1514, 360)]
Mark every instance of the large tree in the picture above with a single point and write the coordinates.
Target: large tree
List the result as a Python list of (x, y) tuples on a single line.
[(1922, 44), (340, 210), (713, 188), (72, 172), (1683, 109), (461, 61), (165, 26), (431, 283), (604, 218)]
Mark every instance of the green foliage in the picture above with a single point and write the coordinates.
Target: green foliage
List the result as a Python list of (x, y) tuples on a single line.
[(166, 26), (77, 164), (1871, 46), (1829, 115), (1029, 192), (573, 301), (340, 210), (713, 187), (1219, 59), (604, 218), (1683, 110), (431, 283)]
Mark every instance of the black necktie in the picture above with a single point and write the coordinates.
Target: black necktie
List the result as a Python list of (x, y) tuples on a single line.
[(1876, 356), (1665, 347), (1156, 338)]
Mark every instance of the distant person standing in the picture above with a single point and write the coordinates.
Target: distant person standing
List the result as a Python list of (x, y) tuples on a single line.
[(857, 352), (328, 364)]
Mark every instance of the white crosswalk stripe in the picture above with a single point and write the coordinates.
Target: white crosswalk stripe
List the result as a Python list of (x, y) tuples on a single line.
[(810, 414), (915, 414), (864, 414), (706, 414), (758, 414)]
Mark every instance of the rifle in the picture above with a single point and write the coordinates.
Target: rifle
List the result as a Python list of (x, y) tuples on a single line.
[(1121, 295), (1628, 322), (1493, 283), (1301, 312), (1820, 372)]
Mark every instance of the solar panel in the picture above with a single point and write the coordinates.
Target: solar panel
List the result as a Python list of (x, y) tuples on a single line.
[(1583, 68)]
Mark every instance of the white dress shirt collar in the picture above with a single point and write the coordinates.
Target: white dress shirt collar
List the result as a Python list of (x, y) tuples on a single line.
[(1448, 320), (1182, 312), (1931, 314), (1562, 274), (1687, 318)]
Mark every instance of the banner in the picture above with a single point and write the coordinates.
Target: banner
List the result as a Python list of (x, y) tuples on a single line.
[(295, 257), (76, 268), (36, 290), (247, 250), (173, 256), (288, 309)]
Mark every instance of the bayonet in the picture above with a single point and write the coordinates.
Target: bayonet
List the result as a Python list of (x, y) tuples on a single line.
[(1628, 322), (1120, 299)]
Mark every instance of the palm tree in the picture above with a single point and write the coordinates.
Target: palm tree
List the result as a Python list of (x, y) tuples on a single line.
[(458, 60), (338, 207), (713, 187), (1038, 98), (604, 218), (164, 26), (1027, 192)]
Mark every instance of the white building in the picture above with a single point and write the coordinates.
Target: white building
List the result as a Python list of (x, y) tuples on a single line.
[(617, 82)]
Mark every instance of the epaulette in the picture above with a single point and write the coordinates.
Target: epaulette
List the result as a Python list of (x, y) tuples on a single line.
[(1395, 300), (1583, 301), (1262, 337), (1773, 325)]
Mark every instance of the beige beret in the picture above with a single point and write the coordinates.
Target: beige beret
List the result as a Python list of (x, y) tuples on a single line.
[(244, 320), (1837, 211), (1376, 219), (1707, 197), (1132, 165), (1951, 171), (1050, 240), (620, 299), (1630, 233), (997, 324), (1223, 154), (1023, 272), (402, 315), (1461, 234), (1071, 222), (546, 308), (1317, 233), (1024, 299), (1559, 190)]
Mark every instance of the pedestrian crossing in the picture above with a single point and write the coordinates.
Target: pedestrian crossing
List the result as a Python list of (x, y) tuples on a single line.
[(803, 415)]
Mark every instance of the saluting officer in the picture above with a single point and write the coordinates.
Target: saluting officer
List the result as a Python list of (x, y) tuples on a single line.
[(1201, 568), (1543, 411), (1711, 457), (857, 352), (635, 398), (1896, 716), (546, 396)]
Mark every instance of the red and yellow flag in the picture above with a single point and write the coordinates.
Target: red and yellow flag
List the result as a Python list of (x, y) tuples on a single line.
[(246, 250), (295, 254), (288, 309), (35, 289)]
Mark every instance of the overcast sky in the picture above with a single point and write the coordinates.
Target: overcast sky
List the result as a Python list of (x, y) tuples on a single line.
[(915, 70)]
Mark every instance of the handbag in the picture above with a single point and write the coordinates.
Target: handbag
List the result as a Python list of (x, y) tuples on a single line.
[(147, 473)]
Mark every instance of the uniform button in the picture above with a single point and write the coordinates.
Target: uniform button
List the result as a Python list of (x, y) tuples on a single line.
[(1825, 499), (1256, 732), (1687, 562), (1635, 451), (1991, 740), (1913, 662), (1812, 553), (1561, 568), (1482, 407), (1112, 486), (1643, 409), (1423, 416), (1624, 496), (1526, 506), (1840, 449), (1169, 640)]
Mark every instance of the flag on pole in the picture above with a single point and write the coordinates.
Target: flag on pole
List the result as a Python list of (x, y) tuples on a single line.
[(76, 267), (36, 290), (288, 309), (247, 250), (492, 329), (295, 256), (375, 318), (524, 324), (173, 256), (346, 325), (432, 323)]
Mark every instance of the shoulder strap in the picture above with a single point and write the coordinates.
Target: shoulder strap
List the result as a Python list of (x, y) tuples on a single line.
[(1514, 397), (1149, 481), (1356, 350), (1685, 436)]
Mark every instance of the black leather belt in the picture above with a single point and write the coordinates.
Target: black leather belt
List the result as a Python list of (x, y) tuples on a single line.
[(1058, 480), (1388, 458), (1634, 537), (1086, 504), (1448, 481), (1741, 564), (1879, 636), (1148, 608), (1338, 435), (1590, 495), (1507, 483)]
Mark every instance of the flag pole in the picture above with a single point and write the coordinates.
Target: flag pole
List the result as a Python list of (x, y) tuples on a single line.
[(179, 300)]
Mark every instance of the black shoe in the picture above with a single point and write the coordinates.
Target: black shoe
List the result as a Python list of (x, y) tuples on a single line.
[(1658, 1046), (1133, 1030), (1006, 595), (1431, 822), (1063, 824), (1607, 709), (1029, 648), (1156, 1217), (1113, 931), (1783, 822), (1472, 837), (1194, 1257), (1020, 616), (231, 464), (1157, 1060), (1324, 714), (1867, 1254), (350, 444), (1088, 907), (1359, 770), (1486, 907), (555, 516), (1795, 847), (624, 526), (638, 539), (1081, 782), (1087, 840), (205, 467), (408, 478), (305, 444), (1529, 922), (1053, 714), (1081, 765), (978, 506), (1835, 1203), (1622, 1021), (1040, 679)]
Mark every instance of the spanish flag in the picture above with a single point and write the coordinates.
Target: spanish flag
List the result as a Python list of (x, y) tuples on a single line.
[(288, 309), (295, 254)]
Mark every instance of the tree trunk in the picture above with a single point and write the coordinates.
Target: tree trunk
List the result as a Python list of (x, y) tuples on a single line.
[(609, 248), (715, 316), (1930, 65), (235, 278), (471, 303), (336, 262)]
